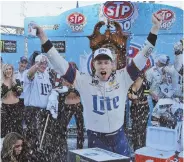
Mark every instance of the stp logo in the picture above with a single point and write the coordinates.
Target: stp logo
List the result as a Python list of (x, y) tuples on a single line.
[(76, 21), (118, 10), (168, 18), (76, 18), (167, 15)]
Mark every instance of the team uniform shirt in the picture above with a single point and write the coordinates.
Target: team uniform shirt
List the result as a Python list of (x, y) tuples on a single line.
[(163, 84), (176, 80), (20, 76), (154, 77), (104, 102), (37, 90)]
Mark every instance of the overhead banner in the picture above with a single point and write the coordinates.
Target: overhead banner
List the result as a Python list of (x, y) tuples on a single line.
[(133, 17), (73, 27)]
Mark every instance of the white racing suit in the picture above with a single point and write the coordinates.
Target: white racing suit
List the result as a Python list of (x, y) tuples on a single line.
[(103, 102)]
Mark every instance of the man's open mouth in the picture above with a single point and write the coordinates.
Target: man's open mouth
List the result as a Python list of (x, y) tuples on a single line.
[(103, 73)]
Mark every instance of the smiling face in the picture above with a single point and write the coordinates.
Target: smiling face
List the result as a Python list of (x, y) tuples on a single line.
[(42, 62), (103, 68), (43, 66), (8, 71), (17, 147)]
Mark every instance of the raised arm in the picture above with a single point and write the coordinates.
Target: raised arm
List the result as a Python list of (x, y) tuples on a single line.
[(31, 72), (139, 61), (60, 65), (132, 93)]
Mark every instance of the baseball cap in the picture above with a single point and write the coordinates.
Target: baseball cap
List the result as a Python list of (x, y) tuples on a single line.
[(40, 57), (103, 51), (23, 58), (164, 59)]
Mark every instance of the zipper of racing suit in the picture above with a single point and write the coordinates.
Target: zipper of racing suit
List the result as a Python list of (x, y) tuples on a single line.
[(106, 105)]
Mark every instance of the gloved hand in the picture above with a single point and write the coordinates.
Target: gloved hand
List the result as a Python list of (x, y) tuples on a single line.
[(52, 105)]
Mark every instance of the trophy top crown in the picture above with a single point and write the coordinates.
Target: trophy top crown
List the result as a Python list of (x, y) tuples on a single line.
[(117, 38)]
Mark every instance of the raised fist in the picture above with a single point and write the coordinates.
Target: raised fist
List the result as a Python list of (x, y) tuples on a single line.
[(157, 19), (39, 31)]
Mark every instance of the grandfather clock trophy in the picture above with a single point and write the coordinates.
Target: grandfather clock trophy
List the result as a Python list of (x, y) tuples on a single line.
[(115, 41)]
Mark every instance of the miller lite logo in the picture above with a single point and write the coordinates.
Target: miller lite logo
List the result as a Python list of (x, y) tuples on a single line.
[(76, 21), (118, 10), (168, 18)]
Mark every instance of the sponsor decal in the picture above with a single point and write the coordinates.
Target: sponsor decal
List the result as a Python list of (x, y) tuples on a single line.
[(122, 11), (134, 50), (118, 10), (50, 27), (76, 21), (168, 18), (8, 46), (103, 104), (148, 53), (112, 87)]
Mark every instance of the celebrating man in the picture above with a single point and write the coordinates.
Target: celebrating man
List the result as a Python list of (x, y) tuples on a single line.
[(104, 94)]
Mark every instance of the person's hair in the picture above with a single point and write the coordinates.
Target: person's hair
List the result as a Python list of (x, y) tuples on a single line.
[(7, 151), (3, 71), (102, 57), (73, 64), (31, 60)]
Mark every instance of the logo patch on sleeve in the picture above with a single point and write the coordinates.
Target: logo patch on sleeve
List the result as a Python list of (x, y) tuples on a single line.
[(148, 53)]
